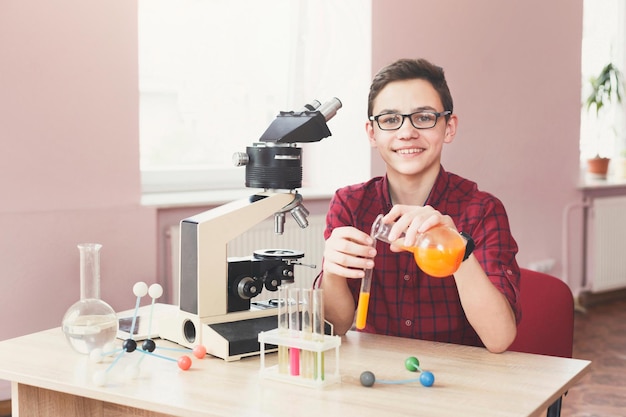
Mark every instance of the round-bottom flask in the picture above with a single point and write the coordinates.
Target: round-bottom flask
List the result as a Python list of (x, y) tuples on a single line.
[(90, 323), (438, 251)]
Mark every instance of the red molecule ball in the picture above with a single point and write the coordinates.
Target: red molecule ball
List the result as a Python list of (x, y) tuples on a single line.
[(199, 351), (184, 362)]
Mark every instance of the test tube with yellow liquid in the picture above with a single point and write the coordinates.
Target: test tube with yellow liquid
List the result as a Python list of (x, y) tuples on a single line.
[(438, 252), (366, 283), (364, 300)]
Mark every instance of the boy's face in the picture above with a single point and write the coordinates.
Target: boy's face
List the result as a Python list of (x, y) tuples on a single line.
[(408, 150)]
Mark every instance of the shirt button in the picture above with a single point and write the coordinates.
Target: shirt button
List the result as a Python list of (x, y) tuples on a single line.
[(407, 277), (408, 323)]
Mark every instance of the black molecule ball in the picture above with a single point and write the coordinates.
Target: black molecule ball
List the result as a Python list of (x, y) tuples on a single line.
[(367, 379)]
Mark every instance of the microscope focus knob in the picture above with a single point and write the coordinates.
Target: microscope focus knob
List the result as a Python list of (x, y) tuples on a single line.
[(240, 159), (271, 284), (248, 287)]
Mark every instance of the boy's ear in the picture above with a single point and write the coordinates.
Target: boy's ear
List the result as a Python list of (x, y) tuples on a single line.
[(451, 126), (369, 129)]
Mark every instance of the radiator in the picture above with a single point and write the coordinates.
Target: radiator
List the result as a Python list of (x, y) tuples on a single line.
[(309, 240), (607, 260)]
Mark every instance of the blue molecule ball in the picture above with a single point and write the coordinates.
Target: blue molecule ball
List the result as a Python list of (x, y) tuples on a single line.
[(367, 379), (427, 378)]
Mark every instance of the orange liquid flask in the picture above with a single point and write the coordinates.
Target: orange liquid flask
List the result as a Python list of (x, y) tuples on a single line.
[(438, 252)]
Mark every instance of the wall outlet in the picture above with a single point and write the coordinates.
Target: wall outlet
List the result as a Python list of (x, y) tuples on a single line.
[(545, 265)]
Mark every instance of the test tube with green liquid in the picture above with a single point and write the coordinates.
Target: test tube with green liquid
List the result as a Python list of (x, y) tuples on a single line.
[(307, 357), (317, 304)]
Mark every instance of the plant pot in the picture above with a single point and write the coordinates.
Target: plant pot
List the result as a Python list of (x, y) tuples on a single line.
[(598, 167)]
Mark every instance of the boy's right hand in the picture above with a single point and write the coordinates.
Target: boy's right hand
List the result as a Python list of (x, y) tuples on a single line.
[(348, 251)]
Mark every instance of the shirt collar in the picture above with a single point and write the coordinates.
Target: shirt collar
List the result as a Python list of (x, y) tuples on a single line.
[(386, 194), (434, 197), (439, 188)]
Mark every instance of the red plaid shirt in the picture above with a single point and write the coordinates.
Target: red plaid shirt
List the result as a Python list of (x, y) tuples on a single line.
[(406, 302)]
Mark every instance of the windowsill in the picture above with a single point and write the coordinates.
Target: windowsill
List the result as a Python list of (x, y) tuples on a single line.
[(588, 183), (217, 197)]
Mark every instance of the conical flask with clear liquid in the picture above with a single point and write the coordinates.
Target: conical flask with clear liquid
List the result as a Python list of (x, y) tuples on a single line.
[(90, 323)]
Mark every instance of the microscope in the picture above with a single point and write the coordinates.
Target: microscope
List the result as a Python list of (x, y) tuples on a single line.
[(215, 306)]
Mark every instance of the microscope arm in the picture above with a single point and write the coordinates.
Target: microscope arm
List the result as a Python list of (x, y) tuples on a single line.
[(204, 240)]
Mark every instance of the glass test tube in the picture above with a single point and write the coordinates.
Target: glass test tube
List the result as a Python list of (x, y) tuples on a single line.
[(366, 282), (283, 327), (317, 301), (364, 300), (307, 357), (317, 304), (294, 329)]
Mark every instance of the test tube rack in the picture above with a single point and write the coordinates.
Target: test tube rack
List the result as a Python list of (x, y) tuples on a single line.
[(317, 347)]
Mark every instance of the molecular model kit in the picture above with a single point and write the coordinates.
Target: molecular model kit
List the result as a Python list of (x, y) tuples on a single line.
[(147, 348), (302, 345)]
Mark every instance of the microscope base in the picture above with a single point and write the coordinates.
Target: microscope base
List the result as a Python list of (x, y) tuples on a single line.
[(229, 340), (235, 340)]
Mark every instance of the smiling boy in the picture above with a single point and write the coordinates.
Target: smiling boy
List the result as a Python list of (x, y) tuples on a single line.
[(410, 118)]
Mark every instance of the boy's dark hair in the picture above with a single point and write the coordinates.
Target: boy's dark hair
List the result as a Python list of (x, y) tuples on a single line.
[(409, 69)]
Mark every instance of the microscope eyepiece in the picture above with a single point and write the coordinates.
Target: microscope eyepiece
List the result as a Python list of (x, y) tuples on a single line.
[(329, 109), (313, 105), (274, 162)]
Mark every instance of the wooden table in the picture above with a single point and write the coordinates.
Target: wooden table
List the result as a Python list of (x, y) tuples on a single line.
[(49, 379)]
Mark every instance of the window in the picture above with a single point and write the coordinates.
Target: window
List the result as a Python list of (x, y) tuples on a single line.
[(213, 74), (603, 42)]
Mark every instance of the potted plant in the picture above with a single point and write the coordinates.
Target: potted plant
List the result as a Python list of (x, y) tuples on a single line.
[(607, 88)]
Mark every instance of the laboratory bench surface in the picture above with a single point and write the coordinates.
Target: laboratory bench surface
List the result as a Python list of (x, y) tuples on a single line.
[(50, 379)]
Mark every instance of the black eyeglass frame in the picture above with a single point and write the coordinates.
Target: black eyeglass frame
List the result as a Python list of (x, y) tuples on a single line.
[(405, 116)]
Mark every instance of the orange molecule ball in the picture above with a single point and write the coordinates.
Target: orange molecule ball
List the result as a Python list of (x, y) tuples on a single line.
[(199, 351), (184, 362)]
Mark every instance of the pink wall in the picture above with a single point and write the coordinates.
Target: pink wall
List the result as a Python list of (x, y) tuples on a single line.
[(69, 162)]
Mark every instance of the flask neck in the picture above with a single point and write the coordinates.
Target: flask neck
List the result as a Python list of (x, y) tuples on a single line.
[(89, 270)]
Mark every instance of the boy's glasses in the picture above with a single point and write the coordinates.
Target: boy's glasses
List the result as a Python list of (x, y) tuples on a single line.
[(419, 119)]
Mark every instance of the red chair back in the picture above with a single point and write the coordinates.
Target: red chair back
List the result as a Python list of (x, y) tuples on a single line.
[(547, 326)]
